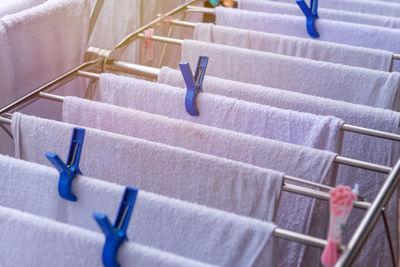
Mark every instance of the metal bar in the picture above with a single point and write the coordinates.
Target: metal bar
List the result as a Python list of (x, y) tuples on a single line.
[(131, 37), (396, 56), (371, 132), (5, 120), (183, 23), (299, 180), (87, 74), (136, 69), (362, 164), (35, 94), (163, 39), (305, 239), (371, 217), (318, 194), (94, 16), (205, 10), (52, 97)]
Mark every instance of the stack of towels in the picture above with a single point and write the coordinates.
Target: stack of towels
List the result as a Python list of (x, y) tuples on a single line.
[(211, 187)]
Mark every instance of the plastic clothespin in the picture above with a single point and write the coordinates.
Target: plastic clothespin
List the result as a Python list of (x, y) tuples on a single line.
[(148, 45), (70, 170), (311, 14), (213, 2), (193, 83), (116, 234)]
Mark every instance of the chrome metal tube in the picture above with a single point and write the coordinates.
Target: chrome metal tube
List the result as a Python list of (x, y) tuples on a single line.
[(371, 132), (396, 56), (204, 10), (362, 164), (136, 69), (183, 23), (163, 39), (302, 181), (52, 97), (305, 239), (87, 74), (371, 217), (5, 120), (318, 194)]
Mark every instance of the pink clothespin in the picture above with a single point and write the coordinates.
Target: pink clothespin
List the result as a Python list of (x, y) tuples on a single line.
[(148, 45), (341, 203), (165, 20)]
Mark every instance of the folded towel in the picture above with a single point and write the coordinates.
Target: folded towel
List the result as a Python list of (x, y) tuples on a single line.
[(314, 165), (45, 42), (171, 225), (116, 20), (365, 7), (222, 112), (11, 7), (28, 240), (294, 46), (329, 30), (354, 145), (335, 81), (325, 13), (171, 171)]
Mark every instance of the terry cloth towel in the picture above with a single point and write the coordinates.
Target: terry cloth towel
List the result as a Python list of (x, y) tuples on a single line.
[(294, 46), (329, 30), (45, 42), (354, 145), (11, 7), (171, 225), (335, 81), (361, 6), (315, 165), (116, 20), (325, 13), (29, 240), (175, 172), (284, 125)]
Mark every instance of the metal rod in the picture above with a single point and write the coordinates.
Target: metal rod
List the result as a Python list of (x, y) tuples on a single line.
[(88, 74), (318, 194), (396, 56), (136, 69), (52, 97), (183, 23), (35, 94), (305, 239), (5, 120), (95, 15), (362, 164), (205, 10), (306, 182), (163, 39), (131, 37), (371, 132), (371, 217)]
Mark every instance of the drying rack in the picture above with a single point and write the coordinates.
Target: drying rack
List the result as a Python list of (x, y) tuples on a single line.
[(99, 60)]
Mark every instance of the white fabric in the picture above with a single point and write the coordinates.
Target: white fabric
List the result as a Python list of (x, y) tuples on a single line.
[(45, 42), (294, 46), (284, 125), (10, 7), (362, 147), (116, 20), (329, 30), (311, 164), (335, 81), (175, 172), (324, 13), (28, 240), (171, 225), (361, 6)]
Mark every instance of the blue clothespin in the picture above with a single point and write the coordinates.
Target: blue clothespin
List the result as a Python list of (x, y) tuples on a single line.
[(213, 2), (311, 15), (70, 170), (193, 84), (116, 234)]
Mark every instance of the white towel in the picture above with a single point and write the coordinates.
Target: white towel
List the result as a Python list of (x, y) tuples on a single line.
[(335, 81), (222, 112), (361, 6), (329, 30), (294, 46), (311, 164), (357, 146), (45, 42), (171, 225), (325, 13), (175, 172), (11, 7), (28, 240), (116, 20)]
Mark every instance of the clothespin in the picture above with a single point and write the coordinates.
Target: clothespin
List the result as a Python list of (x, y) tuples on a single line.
[(213, 2), (311, 14), (164, 20), (116, 234), (70, 170), (340, 205), (148, 45), (193, 84)]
